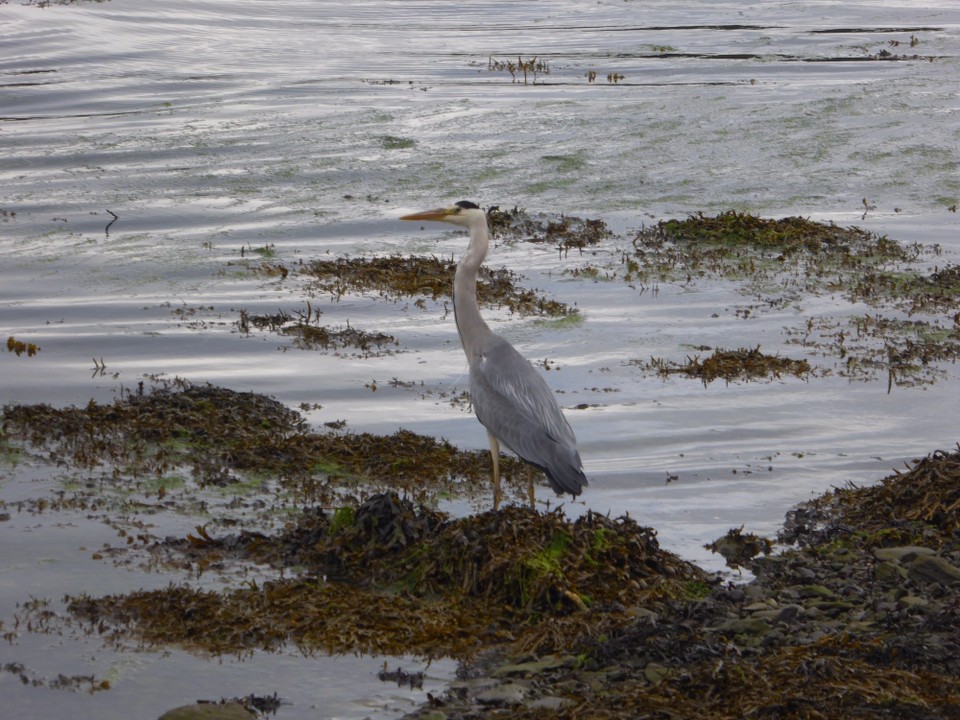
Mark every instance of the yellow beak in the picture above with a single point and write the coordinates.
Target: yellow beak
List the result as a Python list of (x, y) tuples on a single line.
[(440, 214)]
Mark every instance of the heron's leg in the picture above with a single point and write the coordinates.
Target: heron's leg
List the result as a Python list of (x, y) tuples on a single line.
[(530, 488), (495, 456)]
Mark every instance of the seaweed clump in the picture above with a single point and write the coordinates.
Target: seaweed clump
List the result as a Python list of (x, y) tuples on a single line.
[(18, 347), (220, 435), (743, 246), (739, 548), (310, 336), (425, 277), (409, 580), (921, 506), (731, 365), (780, 261), (938, 290), (566, 233)]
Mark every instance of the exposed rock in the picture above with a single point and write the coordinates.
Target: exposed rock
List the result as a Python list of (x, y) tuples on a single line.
[(506, 695), (933, 569), (898, 554), (209, 711), (549, 703), (535, 667)]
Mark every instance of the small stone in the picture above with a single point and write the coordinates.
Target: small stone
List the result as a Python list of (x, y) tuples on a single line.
[(930, 568), (535, 667), (897, 554), (550, 702), (642, 613), (655, 673), (789, 613), (889, 570), (831, 608), (910, 601), (506, 695), (474, 686), (852, 590), (773, 639), (736, 595), (750, 627), (820, 591)]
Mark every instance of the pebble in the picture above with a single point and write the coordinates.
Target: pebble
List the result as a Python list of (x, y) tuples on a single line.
[(752, 626), (912, 601), (506, 695), (888, 570), (655, 673), (550, 703), (789, 613), (535, 667)]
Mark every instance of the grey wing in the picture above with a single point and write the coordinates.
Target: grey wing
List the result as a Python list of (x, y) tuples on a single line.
[(514, 402)]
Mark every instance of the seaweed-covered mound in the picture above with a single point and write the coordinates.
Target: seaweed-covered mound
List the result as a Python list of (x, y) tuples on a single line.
[(921, 506), (731, 231), (392, 578), (743, 246), (220, 435)]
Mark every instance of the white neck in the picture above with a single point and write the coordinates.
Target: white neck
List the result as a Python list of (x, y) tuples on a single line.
[(466, 310)]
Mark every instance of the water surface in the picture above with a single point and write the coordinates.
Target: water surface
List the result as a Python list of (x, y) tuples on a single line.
[(211, 129)]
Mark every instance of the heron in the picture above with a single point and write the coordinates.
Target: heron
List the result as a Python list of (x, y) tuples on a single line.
[(509, 396)]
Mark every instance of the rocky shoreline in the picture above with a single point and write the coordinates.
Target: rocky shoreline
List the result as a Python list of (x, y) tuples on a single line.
[(860, 618)]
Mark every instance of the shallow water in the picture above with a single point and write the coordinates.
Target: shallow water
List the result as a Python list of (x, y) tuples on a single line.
[(211, 128)]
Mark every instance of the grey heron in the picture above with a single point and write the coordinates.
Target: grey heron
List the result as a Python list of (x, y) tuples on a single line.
[(511, 399)]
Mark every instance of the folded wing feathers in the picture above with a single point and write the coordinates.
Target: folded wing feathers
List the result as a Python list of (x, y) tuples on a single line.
[(514, 402)]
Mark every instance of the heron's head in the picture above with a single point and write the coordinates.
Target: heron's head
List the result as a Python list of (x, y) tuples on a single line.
[(463, 213)]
